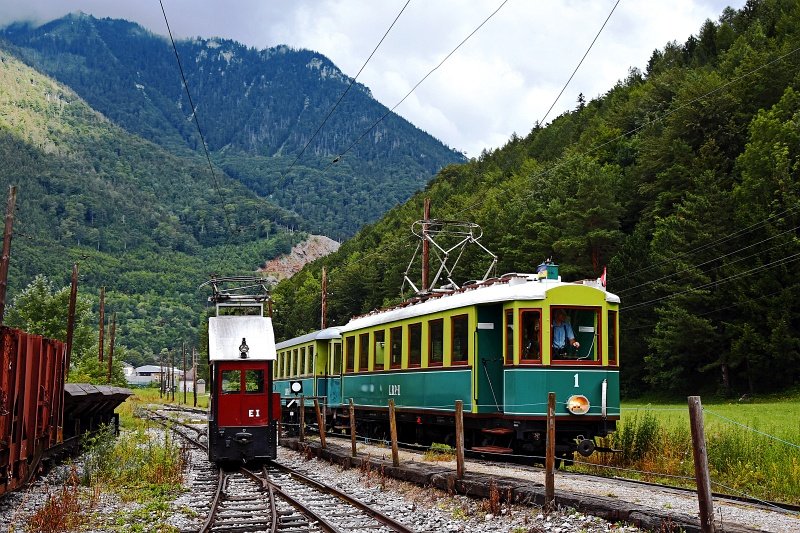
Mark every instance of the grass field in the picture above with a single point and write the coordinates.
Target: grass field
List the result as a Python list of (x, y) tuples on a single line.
[(753, 448)]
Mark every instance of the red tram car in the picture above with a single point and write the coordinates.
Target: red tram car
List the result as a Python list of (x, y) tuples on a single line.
[(244, 413)]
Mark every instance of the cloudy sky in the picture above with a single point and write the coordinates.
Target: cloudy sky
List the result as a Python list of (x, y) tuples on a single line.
[(501, 81)]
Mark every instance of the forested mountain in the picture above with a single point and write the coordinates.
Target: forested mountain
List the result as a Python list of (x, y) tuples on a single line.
[(147, 224), (684, 179), (257, 109)]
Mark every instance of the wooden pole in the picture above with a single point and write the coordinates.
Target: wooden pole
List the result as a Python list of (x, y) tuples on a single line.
[(102, 325), (194, 376), (161, 375), (393, 433), (550, 458), (172, 375), (352, 428), (111, 343), (183, 349), (6, 257), (426, 247), (73, 298), (320, 423), (324, 318), (302, 418), (704, 498), (459, 439)]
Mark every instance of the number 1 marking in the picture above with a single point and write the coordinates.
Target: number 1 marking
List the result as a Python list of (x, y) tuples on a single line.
[(576, 381)]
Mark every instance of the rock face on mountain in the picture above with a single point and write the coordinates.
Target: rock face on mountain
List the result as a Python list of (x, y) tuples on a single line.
[(287, 265)]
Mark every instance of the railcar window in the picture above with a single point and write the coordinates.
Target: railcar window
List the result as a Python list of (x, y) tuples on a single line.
[(531, 326), (231, 381), (380, 349), (436, 342), (311, 368), (582, 324), (415, 344), (254, 381), (395, 347), (510, 337), (337, 358), (303, 361), (612, 338), (363, 352), (349, 353), (460, 339)]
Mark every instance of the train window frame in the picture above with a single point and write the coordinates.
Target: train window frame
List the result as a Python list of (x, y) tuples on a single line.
[(336, 360), (259, 381), (508, 341), (223, 380), (363, 352), (524, 339), (454, 320), (311, 366), (396, 348), (597, 341), (415, 329), (613, 337), (349, 353), (303, 361), (431, 338), (379, 347)]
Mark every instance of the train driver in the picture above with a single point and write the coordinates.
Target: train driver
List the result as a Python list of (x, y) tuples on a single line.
[(562, 334)]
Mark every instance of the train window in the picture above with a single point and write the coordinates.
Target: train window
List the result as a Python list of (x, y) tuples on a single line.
[(303, 361), (380, 349), (349, 353), (337, 358), (295, 362), (415, 344), (612, 337), (460, 346), (363, 352), (510, 337), (395, 347), (231, 381), (530, 322), (580, 324), (254, 381), (435, 342)]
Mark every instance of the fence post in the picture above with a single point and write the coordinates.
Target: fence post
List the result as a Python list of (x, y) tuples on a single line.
[(459, 439), (302, 419), (702, 478), (393, 433), (320, 423), (550, 456), (352, 427)]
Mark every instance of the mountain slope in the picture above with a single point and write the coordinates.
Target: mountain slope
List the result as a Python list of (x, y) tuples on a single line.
[(258, 109)]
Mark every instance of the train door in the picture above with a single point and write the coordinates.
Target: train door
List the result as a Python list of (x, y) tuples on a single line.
[(488, 367)]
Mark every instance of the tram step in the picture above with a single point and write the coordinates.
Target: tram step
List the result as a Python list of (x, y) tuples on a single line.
[(497, 431), (491, 449)]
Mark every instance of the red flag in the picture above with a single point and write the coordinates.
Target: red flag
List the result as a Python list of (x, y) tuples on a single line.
[(603, 277)]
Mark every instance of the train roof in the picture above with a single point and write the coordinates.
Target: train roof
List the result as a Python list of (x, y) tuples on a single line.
[(509, 287), (323, 335), (228, 334)]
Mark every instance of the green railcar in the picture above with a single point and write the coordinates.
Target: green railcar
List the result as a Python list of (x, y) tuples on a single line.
[(500, 346)]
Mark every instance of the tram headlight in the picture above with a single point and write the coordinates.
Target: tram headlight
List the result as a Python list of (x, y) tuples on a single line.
[(578, 404)]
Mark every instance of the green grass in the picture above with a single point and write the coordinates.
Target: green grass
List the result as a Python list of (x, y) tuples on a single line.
[(752, 447), (143, 397)]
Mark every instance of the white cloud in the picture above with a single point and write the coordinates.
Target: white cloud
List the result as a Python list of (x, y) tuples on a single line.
[(501, 81)]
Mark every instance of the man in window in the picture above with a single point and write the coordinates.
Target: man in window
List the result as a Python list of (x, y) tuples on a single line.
[(562, 334)]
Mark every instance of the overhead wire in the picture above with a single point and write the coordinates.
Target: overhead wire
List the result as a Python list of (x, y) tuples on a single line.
[(352, 81), (388, 112), (564, 88)]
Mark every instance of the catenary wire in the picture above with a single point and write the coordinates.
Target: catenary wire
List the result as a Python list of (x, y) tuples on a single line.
[(564, 88), (352, 81), (358, 140)]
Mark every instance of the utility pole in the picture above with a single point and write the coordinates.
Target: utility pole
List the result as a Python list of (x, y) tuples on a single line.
[(194, 375), (161, 375), (426, 250), (183, 349), (323, 321), (73, 297), (111, 344), (172, 375), (5, 259), (102, 323)]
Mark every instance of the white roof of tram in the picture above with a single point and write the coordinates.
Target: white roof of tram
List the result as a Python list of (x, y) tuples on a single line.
[(518, 287), (324, 335), (227, 333)]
